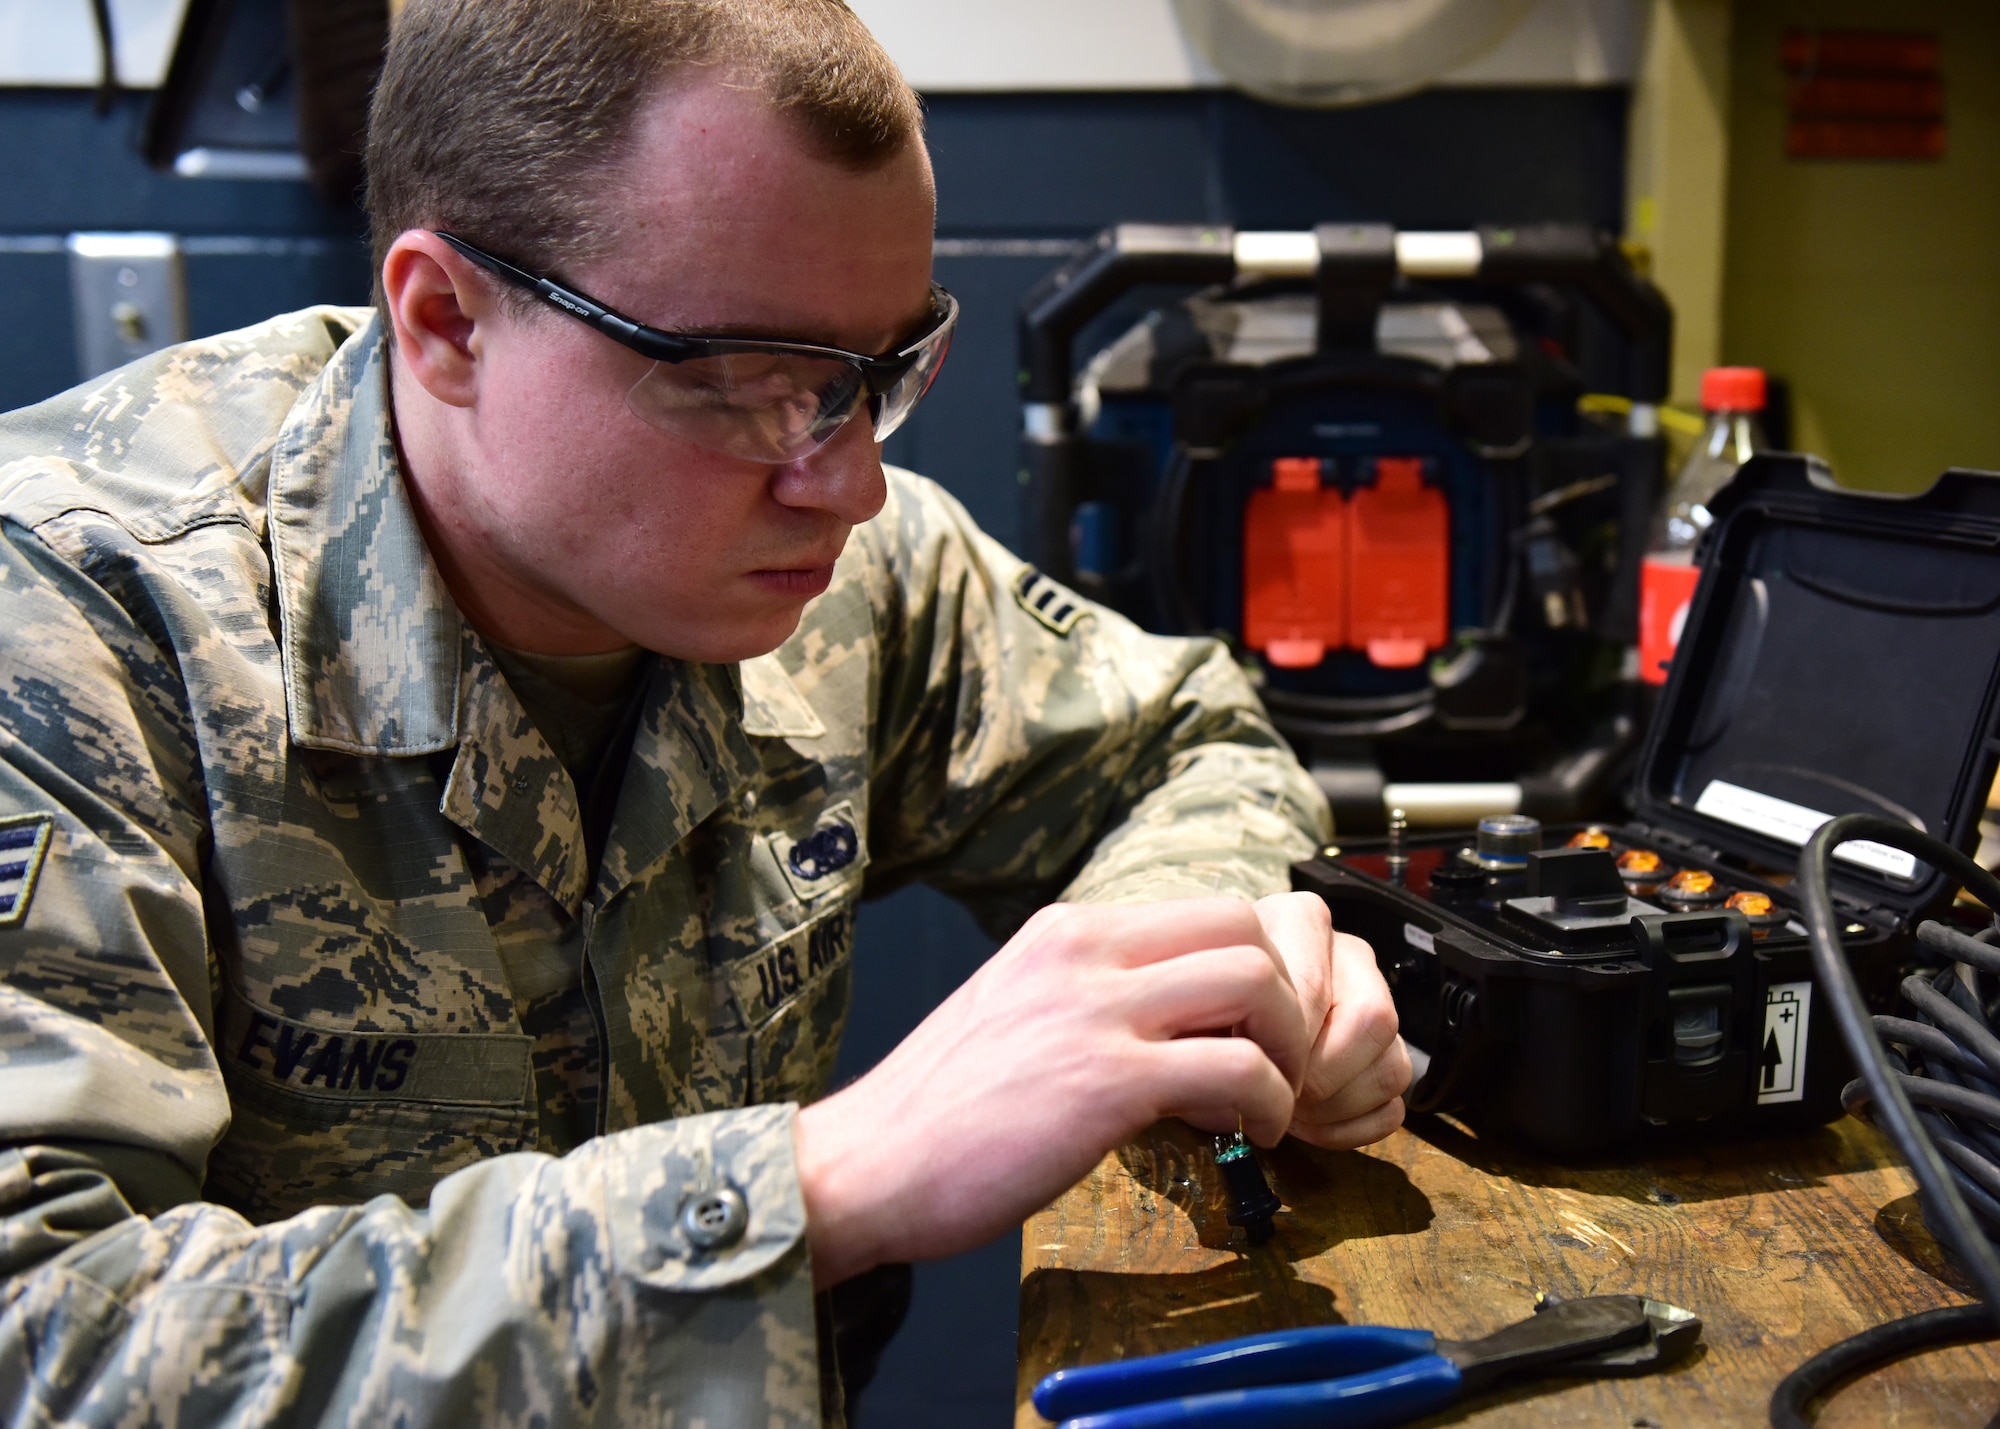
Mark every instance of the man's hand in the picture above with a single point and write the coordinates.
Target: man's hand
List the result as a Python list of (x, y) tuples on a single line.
[(1090, 1025), (1352, 1088)]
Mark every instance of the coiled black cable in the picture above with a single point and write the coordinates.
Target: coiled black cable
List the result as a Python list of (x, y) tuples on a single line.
[(1950, 1091), (1932, 1330)]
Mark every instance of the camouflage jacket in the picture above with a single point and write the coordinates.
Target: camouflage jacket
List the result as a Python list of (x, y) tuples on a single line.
[(278, 1139)]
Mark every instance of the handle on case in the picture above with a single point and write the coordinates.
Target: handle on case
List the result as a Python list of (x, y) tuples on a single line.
[(1374, 1399), (1314, 1352)]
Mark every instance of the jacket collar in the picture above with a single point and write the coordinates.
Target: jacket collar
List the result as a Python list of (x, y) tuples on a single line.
[(371, 637), (693, 750)]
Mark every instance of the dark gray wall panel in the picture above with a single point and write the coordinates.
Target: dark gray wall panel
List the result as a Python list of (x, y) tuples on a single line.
[(1071, 163), (1053, 163), (964, 433), (1448, 159), (235, 282), (38, 334), (63, 168)]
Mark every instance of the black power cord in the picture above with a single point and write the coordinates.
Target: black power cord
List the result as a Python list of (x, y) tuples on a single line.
[(107, 59), (1955, 1080)]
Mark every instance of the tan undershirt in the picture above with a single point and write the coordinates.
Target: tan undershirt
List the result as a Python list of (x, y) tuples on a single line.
[(576, 701)]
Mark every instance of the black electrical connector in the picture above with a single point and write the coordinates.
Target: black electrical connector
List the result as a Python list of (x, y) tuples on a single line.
[(1252, 1202), (1944, 1079)]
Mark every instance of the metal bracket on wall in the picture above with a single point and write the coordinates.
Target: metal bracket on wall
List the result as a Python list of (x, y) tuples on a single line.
[(129, 294)]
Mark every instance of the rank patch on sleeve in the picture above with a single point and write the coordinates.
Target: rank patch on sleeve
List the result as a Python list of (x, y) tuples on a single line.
[(24, 843), (1047, 601)]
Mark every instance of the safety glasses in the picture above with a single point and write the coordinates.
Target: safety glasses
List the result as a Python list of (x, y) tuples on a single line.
[(759, 400)]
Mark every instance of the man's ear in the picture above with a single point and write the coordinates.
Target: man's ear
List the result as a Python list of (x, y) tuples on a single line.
[(436, 302)]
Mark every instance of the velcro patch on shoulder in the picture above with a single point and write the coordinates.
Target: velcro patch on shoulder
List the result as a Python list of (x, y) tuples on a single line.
[(828, 857), (1048, 601), (24, 844)]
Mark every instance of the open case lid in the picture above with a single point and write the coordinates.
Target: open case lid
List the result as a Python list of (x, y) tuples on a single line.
[(1841, 655)]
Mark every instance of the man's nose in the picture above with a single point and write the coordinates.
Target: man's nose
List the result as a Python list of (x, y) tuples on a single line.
[(843, 478)]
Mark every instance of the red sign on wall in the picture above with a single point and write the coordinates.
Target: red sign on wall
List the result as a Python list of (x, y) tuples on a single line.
[(1863, 94)]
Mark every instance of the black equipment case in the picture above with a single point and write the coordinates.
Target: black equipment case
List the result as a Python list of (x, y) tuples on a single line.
[(1162, 476), (1840, 656)]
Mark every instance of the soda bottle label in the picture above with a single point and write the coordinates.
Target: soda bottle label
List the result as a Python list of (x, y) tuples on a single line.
[(1666, 590)]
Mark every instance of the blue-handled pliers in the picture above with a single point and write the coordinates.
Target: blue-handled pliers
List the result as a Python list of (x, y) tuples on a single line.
[(1361, 1376)]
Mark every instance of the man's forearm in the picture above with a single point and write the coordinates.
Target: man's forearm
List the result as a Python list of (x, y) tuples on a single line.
[(1227, 818)]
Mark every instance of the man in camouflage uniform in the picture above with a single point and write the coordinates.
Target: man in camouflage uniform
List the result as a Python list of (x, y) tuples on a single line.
[(400, 1024)]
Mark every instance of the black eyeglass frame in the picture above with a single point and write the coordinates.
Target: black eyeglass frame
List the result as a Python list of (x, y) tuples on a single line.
[(879, 373)]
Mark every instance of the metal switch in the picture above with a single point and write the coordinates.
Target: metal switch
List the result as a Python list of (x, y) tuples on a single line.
[(130, 297)]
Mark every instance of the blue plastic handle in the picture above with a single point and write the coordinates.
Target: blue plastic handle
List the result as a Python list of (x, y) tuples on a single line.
[(1375, 1398), (1283, 1357)]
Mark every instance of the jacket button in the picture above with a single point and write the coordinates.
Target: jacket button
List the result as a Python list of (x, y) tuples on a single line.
[(520, 783), (714, 1219)]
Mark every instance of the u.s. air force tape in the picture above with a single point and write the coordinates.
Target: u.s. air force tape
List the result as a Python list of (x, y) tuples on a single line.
[(1047, 601), (449, 1068)]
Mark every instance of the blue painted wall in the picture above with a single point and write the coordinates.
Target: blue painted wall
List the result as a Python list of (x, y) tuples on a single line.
[(1017, 176)]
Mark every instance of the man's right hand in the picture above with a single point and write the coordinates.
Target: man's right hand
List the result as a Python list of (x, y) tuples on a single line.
[(1091, 1024)]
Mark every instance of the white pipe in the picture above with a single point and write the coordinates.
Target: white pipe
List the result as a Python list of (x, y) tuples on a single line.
[(1444, 806), (1277, 255), (1438, 255)]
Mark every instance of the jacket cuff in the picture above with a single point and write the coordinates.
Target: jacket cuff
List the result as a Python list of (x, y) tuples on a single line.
[(657, 1178)]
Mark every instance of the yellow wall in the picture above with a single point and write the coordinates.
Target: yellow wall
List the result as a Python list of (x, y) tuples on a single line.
[(1873, 288), (1678, 174)]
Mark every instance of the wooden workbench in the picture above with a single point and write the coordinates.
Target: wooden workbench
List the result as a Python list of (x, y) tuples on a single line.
[(1782, 1247)]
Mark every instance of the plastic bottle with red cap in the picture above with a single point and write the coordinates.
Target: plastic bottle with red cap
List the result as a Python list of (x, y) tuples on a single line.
[(1733, 398)]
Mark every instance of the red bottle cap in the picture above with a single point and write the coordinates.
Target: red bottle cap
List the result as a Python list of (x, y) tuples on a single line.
[(1733, 389)]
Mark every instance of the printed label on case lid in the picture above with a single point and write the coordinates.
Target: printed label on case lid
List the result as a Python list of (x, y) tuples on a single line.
[(1417, 938), (1794, 823)]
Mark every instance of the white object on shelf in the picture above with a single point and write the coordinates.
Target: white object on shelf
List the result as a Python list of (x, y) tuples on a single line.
[(241, 164), (947, 46), (1328, 52), (53, 43)]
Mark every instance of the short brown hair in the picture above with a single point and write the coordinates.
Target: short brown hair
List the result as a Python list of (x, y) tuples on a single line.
[(492, 115)]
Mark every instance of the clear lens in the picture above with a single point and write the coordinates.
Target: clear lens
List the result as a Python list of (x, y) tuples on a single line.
[(777, 406), (758, 406), (895, 404)]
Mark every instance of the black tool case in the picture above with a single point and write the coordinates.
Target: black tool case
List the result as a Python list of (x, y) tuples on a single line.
[(1840, 655)]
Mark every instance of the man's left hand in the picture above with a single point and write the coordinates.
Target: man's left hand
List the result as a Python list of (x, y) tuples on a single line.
[(1351, 1091)]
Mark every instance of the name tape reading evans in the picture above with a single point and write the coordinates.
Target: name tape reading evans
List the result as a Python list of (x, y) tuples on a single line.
[(455, 1068)]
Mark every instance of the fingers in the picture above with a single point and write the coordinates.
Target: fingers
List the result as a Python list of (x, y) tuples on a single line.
[(1365, 1109), (1359, 1068), (1359, 1131), (1300, 927), (1135, 935), (1359, 1027), (1212, 1082), (1223, 988), (1319, 1052), (1194, 965)]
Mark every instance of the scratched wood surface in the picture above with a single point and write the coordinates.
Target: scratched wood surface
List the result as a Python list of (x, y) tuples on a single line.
[(1782, 1247)]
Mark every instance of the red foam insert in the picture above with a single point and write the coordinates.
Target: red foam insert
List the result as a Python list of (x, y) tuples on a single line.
[(1399, 563), (1295, 566)]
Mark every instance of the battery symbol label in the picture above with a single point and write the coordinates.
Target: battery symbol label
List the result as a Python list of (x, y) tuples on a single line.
[(1781, 1066)]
